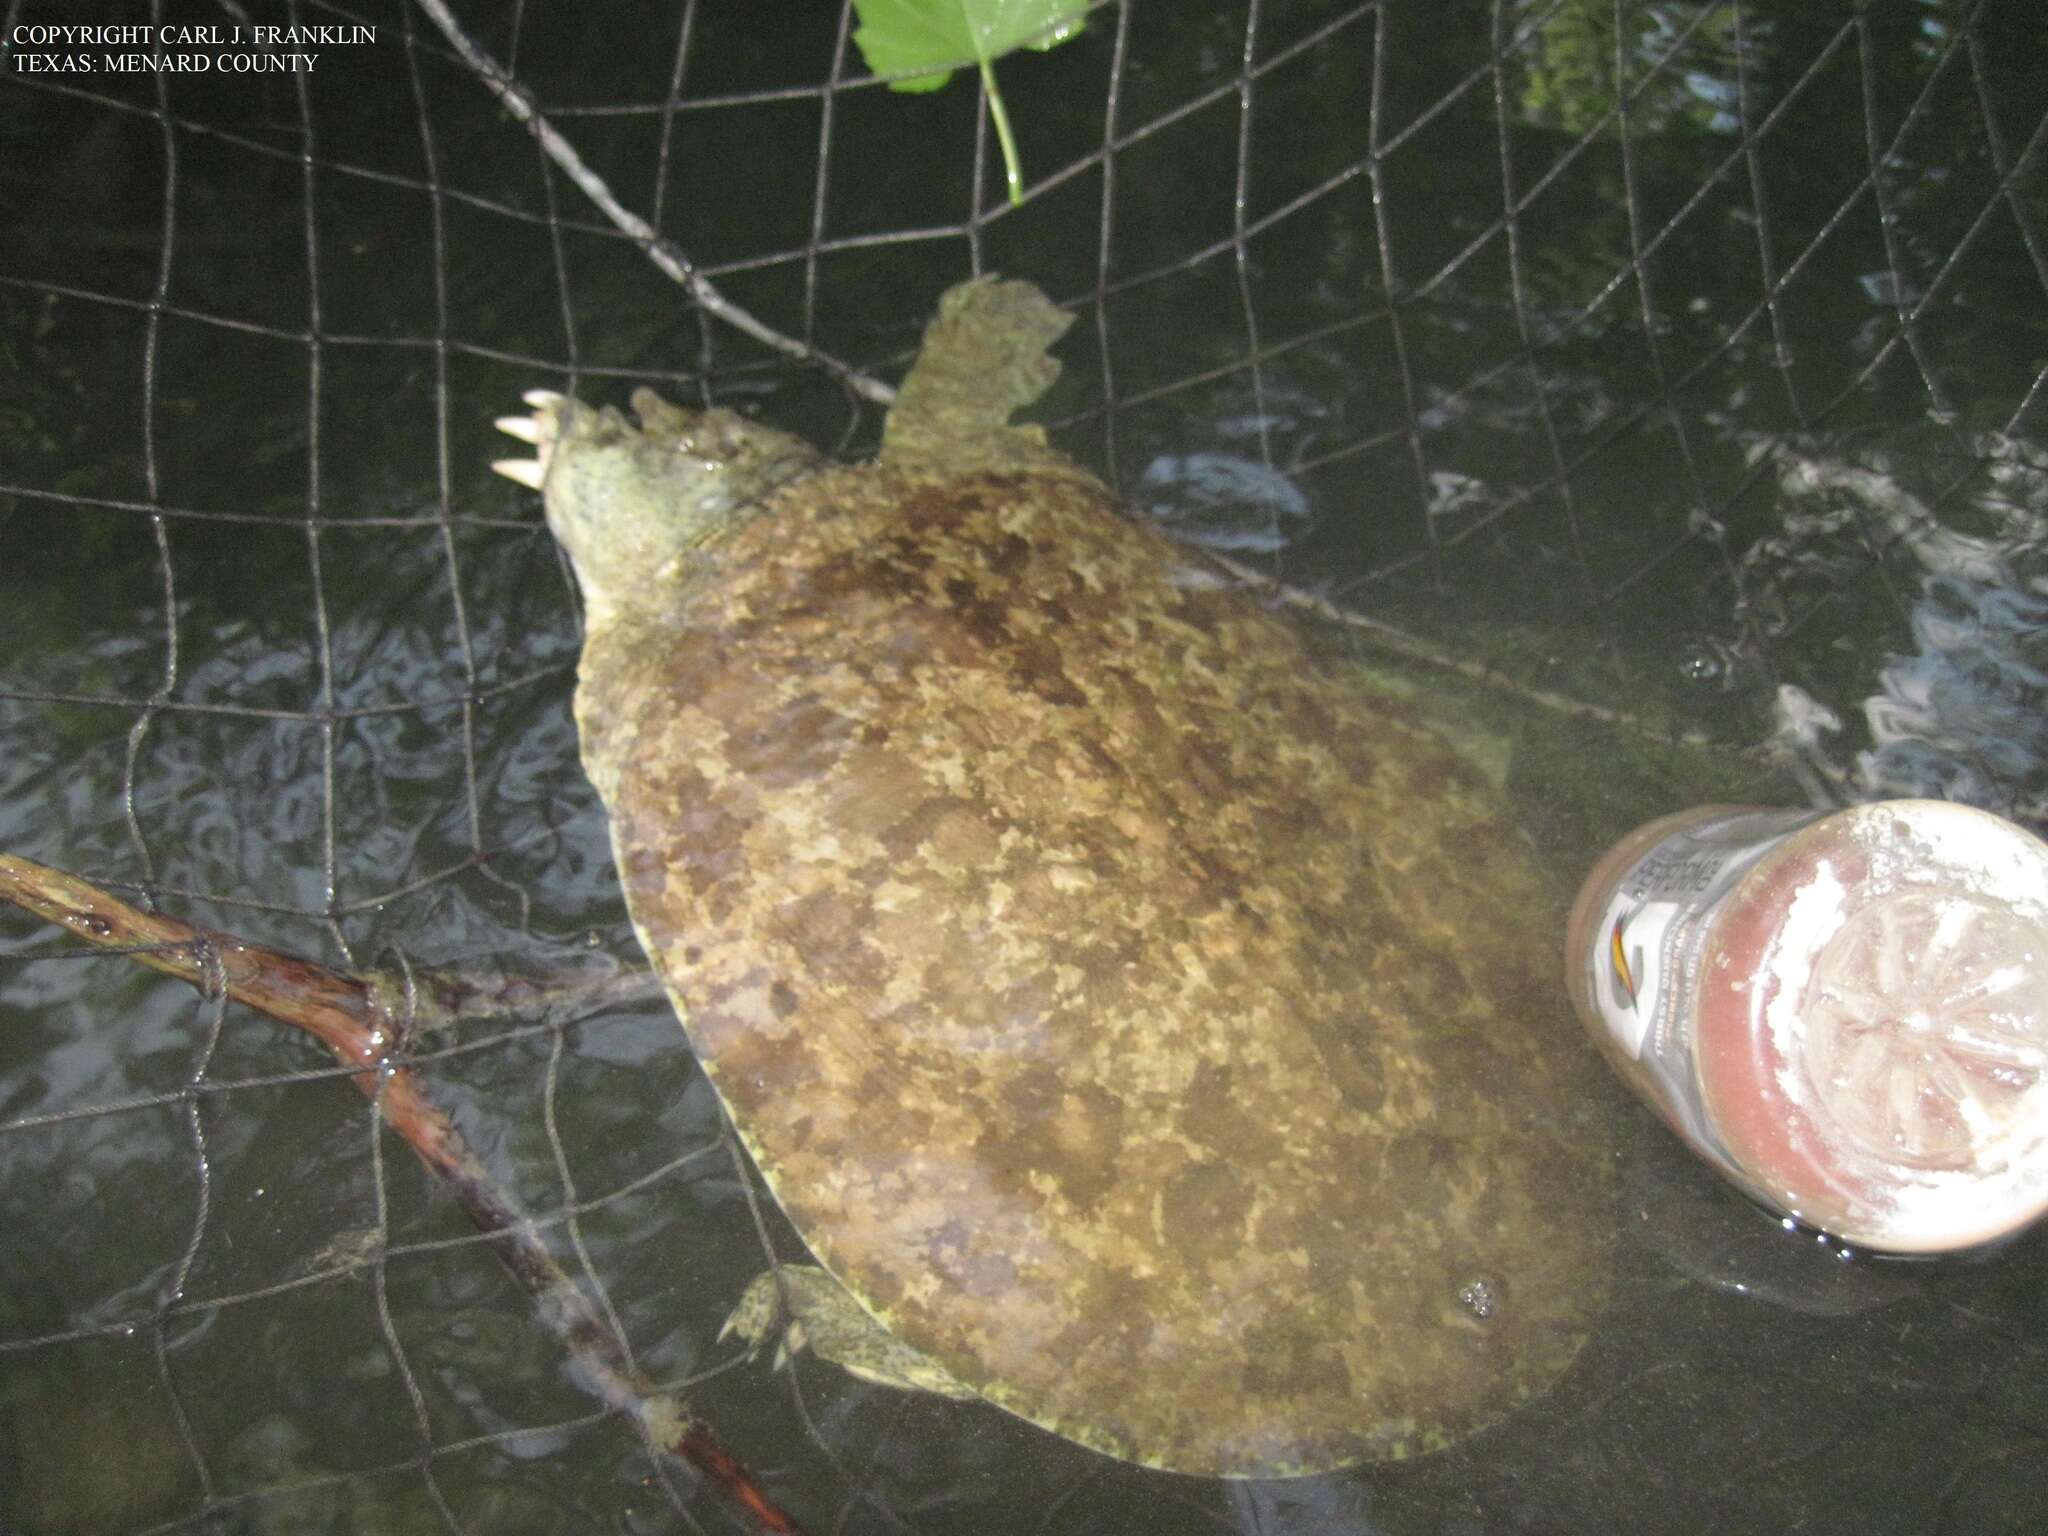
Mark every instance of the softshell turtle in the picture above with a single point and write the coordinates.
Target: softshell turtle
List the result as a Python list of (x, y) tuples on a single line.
[(1160, 1039)]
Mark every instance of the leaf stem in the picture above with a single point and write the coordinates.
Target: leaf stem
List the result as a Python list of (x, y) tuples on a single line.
[(1013, 173)]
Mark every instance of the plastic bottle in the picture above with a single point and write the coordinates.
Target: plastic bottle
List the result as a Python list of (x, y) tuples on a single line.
[(1845, 1012)]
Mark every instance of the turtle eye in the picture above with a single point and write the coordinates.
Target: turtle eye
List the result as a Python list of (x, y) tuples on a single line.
[(714, 438)]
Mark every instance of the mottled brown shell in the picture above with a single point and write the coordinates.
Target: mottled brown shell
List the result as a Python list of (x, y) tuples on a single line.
[(1160, 1035)]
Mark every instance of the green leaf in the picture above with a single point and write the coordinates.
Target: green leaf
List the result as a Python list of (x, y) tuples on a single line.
[(922, 41)]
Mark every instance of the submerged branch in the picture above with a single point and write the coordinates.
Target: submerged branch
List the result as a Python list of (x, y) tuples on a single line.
[(363, 1021), (1417, 649)]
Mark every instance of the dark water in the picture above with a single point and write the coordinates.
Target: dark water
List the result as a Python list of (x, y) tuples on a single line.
[(1663, 370)]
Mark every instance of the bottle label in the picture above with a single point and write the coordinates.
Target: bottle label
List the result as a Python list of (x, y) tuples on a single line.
[(1644, 969)]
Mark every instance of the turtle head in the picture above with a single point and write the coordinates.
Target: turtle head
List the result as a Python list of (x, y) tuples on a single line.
[(631, 503)]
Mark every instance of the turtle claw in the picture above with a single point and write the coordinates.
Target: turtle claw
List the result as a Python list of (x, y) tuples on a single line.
[(758, 1311), (541, 428), (526, 471)]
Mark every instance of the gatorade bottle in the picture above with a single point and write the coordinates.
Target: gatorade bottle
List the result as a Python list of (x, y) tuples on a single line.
[(1845, 1012)]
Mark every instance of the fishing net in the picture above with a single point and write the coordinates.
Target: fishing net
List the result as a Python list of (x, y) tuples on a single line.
[(1669, 375)]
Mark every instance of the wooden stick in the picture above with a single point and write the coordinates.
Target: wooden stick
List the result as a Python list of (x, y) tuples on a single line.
[(362, 1021), (1417, 649), (515, 99)]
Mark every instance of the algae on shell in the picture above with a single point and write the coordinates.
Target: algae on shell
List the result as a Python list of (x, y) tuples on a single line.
[(1163, 1038)]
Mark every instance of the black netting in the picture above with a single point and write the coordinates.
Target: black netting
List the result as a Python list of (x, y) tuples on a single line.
[(1680, 360)]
